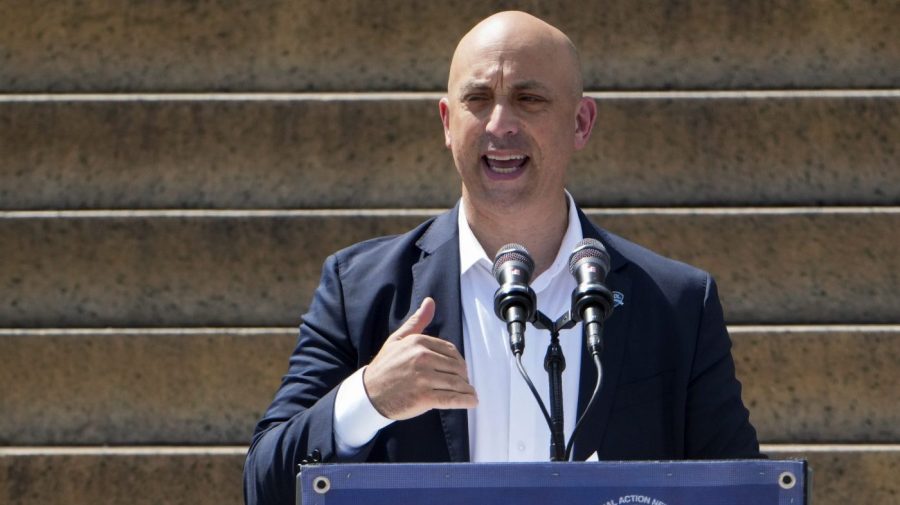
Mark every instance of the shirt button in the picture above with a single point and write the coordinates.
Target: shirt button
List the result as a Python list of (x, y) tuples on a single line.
[(521, 446)]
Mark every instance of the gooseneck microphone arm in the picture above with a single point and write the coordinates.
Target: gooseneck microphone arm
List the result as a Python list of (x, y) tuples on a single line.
[(554, 364), (592, 303), (599, 366), (515, 302), (534, 390)]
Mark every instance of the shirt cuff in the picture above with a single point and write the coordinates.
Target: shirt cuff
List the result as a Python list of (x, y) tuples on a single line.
[(356, 422)]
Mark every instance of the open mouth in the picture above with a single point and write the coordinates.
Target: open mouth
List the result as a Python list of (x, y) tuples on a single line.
[(505, 165)]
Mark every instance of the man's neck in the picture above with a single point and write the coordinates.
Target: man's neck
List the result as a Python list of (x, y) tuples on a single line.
[(540, 230)]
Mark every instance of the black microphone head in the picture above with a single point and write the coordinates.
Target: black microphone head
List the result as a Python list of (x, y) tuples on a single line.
[(515, 253), (514, 300), (592, 251)]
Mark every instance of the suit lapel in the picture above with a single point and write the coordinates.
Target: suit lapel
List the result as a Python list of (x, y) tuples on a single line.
[(614, 333), (437, 275)]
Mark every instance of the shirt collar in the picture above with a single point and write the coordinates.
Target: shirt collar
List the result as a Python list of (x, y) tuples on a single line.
[(471, 252)]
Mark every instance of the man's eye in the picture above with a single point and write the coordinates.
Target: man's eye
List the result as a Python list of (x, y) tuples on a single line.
[(475, 98), (531, 98)]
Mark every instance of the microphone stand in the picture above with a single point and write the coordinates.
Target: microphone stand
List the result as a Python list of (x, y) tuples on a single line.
[(554, 364)]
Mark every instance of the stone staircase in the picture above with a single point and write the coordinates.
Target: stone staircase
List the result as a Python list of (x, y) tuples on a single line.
[(173, 174)]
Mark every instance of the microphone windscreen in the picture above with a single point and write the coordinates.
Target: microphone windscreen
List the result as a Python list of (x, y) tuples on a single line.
[(513, 252), (589, 248)]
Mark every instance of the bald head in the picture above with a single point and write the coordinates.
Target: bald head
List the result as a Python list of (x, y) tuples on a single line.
[(517, 33), (514, 115)]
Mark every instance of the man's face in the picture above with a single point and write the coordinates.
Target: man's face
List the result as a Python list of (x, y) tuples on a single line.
[(512, 119)]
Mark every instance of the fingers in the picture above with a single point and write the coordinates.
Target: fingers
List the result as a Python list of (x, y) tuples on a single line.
[(414, 373), (439, 356), (450, 383), (416, 322), (454, 400), (442, 391)]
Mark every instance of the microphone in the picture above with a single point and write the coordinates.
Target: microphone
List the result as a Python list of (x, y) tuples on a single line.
[(514, 300), (592, 301)]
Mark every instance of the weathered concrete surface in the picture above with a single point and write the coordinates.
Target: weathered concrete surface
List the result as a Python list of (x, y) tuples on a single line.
[(179, 270), (202, 268), (118, 386), (210, 386), (821, 384), (201, 476), (848, 474), (380, 151), (401, 44), (121, 476)]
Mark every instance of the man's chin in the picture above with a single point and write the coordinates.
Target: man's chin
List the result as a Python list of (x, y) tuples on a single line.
[(501, 198)]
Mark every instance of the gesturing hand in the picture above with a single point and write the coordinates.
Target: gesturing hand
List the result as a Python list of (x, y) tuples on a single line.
[(414, 373)]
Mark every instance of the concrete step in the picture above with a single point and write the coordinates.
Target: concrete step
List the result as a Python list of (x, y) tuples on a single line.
[(259, 268), (813, 384), (138, 386), (212, 475), (121, 476), (359, 45), (848, 473), (210, 385), (387, 151)]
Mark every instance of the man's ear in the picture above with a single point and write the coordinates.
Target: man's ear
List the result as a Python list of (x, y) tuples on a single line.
[(584, 121), (444, 108)]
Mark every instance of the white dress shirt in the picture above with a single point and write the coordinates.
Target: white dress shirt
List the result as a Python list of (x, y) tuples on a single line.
[(507, 424)]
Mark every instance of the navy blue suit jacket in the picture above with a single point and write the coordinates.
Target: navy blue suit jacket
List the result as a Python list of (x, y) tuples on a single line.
[(669, 388)]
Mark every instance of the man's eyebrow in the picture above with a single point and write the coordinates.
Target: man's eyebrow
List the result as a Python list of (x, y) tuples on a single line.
[(471, 86), (527, 85), (530, 85)]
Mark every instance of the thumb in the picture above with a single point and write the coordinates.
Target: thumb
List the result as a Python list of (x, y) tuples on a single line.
[(418, 321)]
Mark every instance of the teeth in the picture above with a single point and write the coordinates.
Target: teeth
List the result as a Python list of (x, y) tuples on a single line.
[(504, 159)]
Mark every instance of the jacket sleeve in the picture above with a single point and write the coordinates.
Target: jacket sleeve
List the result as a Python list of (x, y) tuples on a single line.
[(298, 424), (717, 423)]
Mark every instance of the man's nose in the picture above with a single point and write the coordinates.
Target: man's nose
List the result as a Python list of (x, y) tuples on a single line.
[(503, 121)]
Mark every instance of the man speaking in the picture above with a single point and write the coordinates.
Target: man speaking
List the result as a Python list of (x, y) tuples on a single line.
[(401, 357)]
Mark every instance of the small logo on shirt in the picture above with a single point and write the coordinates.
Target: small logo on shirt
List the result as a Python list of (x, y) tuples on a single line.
[(618, 299)]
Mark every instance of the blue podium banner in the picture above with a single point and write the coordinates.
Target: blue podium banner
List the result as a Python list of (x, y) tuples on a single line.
[(605, 483)]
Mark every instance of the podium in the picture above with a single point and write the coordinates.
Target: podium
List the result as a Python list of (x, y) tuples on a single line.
[(730, 482)]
